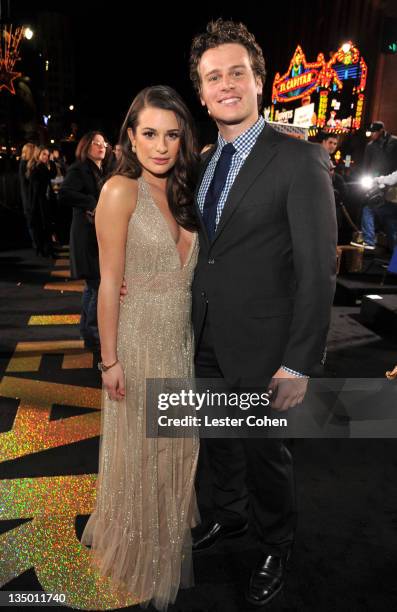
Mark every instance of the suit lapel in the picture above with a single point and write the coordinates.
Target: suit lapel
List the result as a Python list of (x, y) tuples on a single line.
[(203, 167), (260, 156)]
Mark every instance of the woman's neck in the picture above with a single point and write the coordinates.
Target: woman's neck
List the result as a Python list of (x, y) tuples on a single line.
[(158, 181)]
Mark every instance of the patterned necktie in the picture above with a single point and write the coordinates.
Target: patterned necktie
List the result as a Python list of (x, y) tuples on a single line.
[(216, 187)]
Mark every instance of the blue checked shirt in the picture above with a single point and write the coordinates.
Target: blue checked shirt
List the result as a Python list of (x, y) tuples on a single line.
[(243, 145)]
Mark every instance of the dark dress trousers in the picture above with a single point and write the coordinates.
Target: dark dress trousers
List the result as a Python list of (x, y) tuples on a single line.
[(262, 296)]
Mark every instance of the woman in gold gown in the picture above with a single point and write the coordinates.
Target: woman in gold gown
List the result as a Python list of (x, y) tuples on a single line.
[(139, 532)]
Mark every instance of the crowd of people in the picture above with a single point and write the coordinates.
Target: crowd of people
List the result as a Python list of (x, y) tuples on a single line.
[(375, 192), (223, 266), (37, 169), (47, 188)]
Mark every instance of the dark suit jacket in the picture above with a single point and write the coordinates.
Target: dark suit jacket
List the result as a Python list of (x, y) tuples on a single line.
[(268, 278), (380, 156), (80, 189)]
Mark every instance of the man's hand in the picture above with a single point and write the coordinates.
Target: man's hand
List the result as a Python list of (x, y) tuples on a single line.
[(90, 216), (123, 291), (288, 390)]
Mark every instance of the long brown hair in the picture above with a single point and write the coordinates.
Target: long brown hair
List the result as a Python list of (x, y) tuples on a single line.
[(182, 177)]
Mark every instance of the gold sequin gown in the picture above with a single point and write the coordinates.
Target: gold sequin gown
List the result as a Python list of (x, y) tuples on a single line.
[(139, 532)]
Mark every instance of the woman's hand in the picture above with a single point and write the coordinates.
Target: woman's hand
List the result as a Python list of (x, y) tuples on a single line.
[(113, 381), (123, 291)]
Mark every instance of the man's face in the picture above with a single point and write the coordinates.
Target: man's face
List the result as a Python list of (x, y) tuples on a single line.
[(228, 87), (376, 135), (330, 145)]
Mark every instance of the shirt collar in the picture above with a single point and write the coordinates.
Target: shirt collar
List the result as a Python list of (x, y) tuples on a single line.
[(243, 143)]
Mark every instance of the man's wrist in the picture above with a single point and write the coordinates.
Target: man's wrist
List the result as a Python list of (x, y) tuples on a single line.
[(293, 372)]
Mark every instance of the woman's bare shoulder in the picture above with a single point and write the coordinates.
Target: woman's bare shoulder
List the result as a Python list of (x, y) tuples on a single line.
[(119, 192), (119, 185)]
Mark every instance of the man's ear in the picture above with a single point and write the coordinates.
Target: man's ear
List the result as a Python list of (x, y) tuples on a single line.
[(259, 85)]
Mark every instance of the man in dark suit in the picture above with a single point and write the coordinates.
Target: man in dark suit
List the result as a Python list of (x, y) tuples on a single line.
[(262, 290)]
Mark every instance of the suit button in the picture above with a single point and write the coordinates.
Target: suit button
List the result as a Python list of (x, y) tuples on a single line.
[(203, 294), (211, 261)]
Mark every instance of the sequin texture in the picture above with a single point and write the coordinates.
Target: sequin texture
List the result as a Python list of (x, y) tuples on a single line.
[(146, 505)]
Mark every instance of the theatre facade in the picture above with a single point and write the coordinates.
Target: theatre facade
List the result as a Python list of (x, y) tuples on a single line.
[(321, 95)]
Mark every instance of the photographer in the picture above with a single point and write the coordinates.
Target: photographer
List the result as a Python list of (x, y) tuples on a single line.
[(380, 158)]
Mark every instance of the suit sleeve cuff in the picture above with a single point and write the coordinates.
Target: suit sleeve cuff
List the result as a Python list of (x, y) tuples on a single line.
[(294, 372)]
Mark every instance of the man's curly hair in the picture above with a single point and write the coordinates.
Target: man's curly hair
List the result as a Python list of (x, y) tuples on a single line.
[(222, 32)]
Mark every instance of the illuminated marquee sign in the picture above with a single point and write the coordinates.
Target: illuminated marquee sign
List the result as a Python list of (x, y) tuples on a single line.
[(304, 80), (359, 111), (283, 116), (322, 108), (300, 79), (325, 78), (347, 63)]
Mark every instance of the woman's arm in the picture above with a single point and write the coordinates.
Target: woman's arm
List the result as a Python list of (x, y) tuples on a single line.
[(116, 204)]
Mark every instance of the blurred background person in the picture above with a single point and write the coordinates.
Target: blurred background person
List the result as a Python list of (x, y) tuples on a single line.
[(329, 142), (26, 156), (60, 219), (388, 183), (40, 170), (60, 164), (344, 220), (117, 151), (115, 157), (80, 190), (380, 158)]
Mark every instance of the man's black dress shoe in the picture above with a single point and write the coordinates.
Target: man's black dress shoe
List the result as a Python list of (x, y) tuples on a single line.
[(208, 537), (267, 579)]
